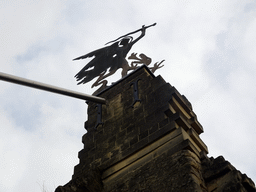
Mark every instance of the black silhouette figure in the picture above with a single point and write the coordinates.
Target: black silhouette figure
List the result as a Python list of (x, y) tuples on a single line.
[(111, 57)]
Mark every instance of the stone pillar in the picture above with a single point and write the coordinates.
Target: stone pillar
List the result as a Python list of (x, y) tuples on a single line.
[(146, 138)]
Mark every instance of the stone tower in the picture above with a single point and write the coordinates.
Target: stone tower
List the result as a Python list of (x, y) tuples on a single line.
[(146, 138)]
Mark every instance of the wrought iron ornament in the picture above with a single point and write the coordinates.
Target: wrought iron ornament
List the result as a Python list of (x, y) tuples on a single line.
[(112, 57)]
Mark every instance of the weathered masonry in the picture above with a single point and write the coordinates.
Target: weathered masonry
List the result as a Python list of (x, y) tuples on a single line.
[(146, 138)]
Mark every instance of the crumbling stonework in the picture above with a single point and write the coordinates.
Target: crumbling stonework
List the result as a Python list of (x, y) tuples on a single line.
[(219, 175), (149, 141), (90, 181)]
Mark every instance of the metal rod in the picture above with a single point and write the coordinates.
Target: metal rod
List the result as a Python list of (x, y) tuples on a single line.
[(50, 88)]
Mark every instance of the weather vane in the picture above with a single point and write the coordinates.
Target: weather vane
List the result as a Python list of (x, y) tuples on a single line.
[(112, 57)]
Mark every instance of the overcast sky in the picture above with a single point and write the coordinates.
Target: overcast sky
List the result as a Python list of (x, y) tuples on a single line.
[(209, 49)]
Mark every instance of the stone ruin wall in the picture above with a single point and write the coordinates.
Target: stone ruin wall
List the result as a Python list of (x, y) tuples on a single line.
[(149, 141)]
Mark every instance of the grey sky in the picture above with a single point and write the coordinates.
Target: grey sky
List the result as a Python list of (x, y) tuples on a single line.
[(209, 48)]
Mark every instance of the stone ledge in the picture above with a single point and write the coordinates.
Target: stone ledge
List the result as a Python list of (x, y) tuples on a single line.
[(176, 140)]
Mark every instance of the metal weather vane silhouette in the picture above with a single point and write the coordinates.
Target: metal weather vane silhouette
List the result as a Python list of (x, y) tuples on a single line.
[(112, 57)]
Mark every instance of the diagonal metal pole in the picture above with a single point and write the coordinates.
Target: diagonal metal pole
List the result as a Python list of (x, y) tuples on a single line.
[(50, 88), (130, 33)]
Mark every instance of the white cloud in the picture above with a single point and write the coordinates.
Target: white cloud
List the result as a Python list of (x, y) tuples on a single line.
[(25, 22), (13, 161)]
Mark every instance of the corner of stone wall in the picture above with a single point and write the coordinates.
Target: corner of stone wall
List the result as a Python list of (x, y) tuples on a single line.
[(220, 175)]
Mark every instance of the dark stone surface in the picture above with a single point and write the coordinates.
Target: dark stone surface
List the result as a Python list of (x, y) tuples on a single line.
[(220, 175), (129, 130), (177, 172), (88, 182)]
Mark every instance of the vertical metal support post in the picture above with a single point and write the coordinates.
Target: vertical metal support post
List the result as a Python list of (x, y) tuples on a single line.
[(99, 116), (135, 92)]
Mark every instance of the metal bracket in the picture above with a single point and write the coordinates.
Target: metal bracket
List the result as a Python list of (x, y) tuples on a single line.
[(135, 92), (99, 115)]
